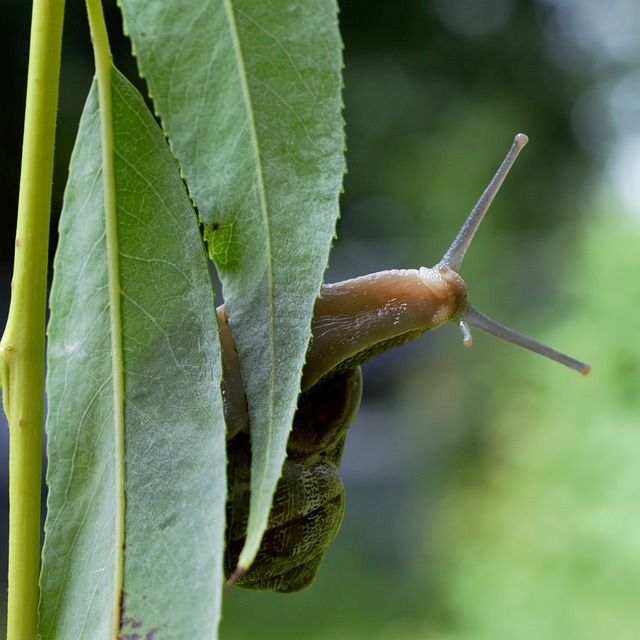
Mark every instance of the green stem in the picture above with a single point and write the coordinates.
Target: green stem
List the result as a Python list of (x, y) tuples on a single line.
[(22, 345), (104, 70)]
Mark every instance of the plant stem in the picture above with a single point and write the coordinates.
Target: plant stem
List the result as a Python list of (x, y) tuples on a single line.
[(22, 345)]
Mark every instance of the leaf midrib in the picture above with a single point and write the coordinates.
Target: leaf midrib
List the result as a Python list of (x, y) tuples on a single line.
[(104, 71), (246, 94)]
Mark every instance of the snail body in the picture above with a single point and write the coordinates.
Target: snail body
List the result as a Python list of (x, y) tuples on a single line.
[(353, 321)]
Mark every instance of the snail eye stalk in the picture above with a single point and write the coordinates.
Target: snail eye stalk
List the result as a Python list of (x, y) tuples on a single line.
[(454, 256)]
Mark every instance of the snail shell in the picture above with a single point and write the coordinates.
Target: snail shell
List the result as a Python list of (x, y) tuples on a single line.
[(309, 500)]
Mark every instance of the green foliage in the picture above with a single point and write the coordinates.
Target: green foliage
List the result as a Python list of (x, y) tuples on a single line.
[(174, 429), (250, 101), (249, 95), (545, 544)]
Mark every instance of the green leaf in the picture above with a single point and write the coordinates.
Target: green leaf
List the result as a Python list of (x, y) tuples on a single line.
[(174, 429), (249, 95)]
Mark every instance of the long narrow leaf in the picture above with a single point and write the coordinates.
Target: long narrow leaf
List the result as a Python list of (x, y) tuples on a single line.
[(174, 428), (249, 94)]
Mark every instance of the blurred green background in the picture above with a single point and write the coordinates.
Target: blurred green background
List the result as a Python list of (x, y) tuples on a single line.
[(490, 493)]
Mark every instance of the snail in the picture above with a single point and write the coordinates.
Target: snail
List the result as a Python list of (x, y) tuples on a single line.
[(353, 321)]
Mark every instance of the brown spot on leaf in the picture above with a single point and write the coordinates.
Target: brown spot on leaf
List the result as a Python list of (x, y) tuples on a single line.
[(131, 628)]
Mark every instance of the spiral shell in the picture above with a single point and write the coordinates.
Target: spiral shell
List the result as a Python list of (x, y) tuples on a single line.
[(309, 500)]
